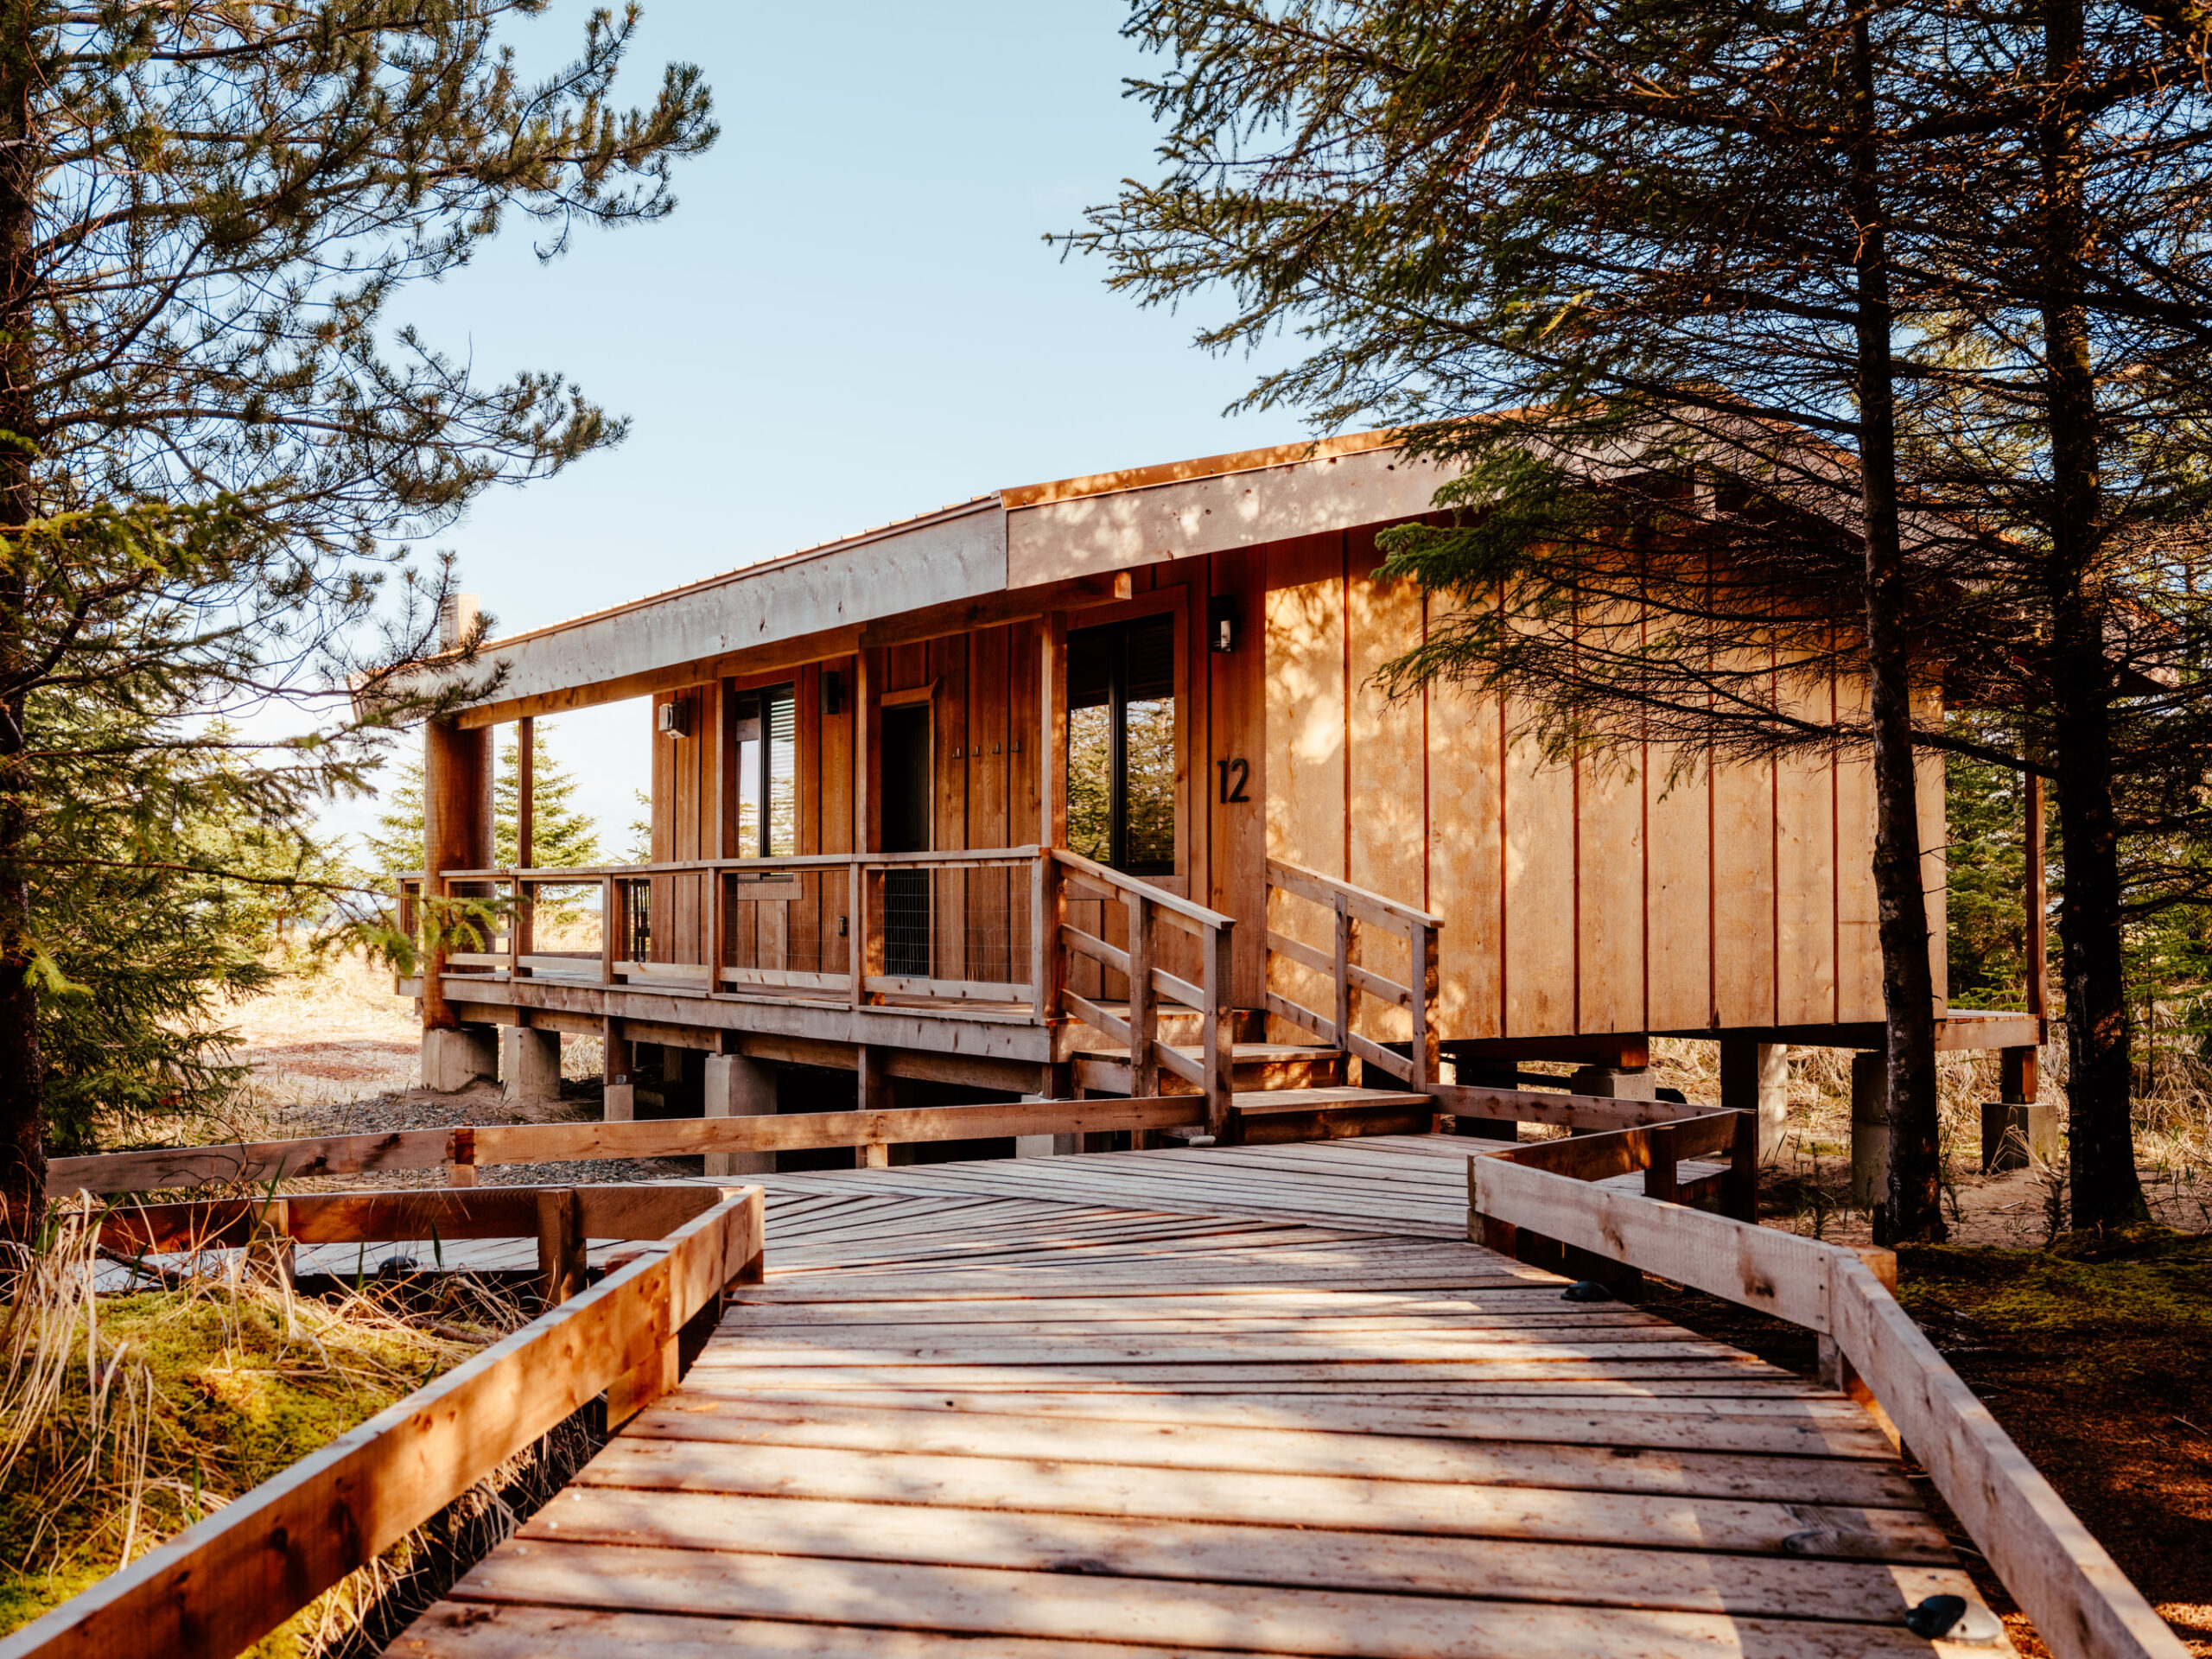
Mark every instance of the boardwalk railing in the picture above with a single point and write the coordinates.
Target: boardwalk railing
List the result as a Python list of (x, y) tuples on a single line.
[(1150, 912), (463, 1149), (1355, 921), (2081, 1604), (217, 1588)]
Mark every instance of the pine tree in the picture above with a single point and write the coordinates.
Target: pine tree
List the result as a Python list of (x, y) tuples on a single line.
[(1897, 314), (215, 444), (561, 838)]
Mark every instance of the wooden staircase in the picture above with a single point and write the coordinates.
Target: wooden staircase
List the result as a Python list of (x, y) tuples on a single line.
[(1177, 1032), (1281, 1091)]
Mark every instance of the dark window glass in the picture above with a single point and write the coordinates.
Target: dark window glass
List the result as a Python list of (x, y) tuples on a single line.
[(764, 730), (1121, 745)]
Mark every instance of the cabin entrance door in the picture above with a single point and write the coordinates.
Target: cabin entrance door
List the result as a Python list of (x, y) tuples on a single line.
[(906, 801)]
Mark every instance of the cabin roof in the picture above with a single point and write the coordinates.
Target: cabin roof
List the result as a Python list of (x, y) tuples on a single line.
[(819, 601)]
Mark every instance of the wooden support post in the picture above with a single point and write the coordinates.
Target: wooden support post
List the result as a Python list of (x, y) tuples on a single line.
[(1420, 942), (272, 1246), (1048, 910), (738, 1087), (1755, 1078), (1661, 1177), (868, 752), (524, 924), (560, 1244), (618, 1093), (1052, 732), (460, 1157), (856, 954), (1342, 1014), (1740, 1198), (713, 919), (874, 1089), (456, 834), (610, 928), (1144, 1004)]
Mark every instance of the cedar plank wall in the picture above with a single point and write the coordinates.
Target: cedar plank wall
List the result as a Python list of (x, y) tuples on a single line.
[(1583, 897)]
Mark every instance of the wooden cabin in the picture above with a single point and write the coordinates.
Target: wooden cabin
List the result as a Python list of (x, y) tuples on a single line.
[(1086, 786)]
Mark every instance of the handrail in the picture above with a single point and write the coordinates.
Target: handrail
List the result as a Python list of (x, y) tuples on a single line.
[(1215, 1069), (1106, 876), (472, 1146), (1385, 909), (1349, 979), (698, 865), (2082, 1606), (220, 1586)]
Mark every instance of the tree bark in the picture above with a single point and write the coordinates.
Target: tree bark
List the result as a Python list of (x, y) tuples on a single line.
[(2106, 1191), (1914, 1206), (22, 1071)]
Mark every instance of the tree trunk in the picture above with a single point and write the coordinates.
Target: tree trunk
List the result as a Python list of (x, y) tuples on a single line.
[(22, 1070), (1914, 1207), (2105, 1189)]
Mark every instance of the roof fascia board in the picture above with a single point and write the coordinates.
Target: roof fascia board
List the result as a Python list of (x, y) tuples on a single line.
[(942, 561), (1087, 534)]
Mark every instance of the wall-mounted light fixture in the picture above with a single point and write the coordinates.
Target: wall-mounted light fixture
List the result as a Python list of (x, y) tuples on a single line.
[(672, 718), (833, 692), (1221, 622)]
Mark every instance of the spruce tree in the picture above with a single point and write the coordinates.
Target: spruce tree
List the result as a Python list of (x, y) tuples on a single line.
[(1775, 344), (215, 441)]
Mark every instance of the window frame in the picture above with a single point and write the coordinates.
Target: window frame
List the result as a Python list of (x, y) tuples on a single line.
[(757, 699), (1120, 623)]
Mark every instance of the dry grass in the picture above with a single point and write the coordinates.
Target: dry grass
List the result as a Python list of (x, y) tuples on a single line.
[(126, 1417)]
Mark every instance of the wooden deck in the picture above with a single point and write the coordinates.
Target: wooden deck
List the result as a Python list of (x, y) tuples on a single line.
[(1258, 1400)]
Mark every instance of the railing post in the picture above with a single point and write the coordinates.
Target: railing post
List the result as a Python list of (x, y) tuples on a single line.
[(1049, 952), (856, 931), (1343, 1010), (610, 927), (515, 969), (713, 920), (1661, 1179), (1219, 1035), (1741, 1192), (1144, 1009), (1420, 940)]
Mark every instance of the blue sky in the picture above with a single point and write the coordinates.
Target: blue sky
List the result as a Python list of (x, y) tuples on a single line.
[(850, 317)]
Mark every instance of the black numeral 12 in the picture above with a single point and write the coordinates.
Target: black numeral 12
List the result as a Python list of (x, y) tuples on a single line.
[(1240, 770)]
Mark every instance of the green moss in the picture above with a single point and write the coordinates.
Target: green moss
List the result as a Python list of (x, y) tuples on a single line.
[(236, 1400), (2114, 1301)]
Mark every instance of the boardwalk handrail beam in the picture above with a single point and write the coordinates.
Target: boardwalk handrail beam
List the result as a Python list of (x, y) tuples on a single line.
[(1148, 908), (2081, 1603), (220, 1586), (484, 1145), (1347, 978)]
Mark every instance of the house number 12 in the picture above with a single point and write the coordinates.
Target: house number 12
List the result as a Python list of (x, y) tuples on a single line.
[(1241, 771)]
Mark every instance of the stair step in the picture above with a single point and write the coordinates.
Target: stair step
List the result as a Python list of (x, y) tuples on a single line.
[(1266, 1066), (1331, 1114)]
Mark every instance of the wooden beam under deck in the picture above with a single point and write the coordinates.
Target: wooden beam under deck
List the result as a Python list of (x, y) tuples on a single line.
[(479, 1000)]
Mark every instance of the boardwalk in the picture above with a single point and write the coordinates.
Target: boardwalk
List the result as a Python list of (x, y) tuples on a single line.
[(1257, 1401)]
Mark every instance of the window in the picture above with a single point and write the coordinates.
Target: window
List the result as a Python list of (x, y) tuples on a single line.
[(1121, 745), (764, 730)]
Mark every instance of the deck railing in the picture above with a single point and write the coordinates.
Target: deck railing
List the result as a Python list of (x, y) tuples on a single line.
[(2082, 1606), (1151, 913), (1354, 921), (956, 927)]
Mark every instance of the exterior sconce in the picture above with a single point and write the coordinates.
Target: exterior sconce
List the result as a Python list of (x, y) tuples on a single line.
[(672, 718), (1221, 622), (833, 692)]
